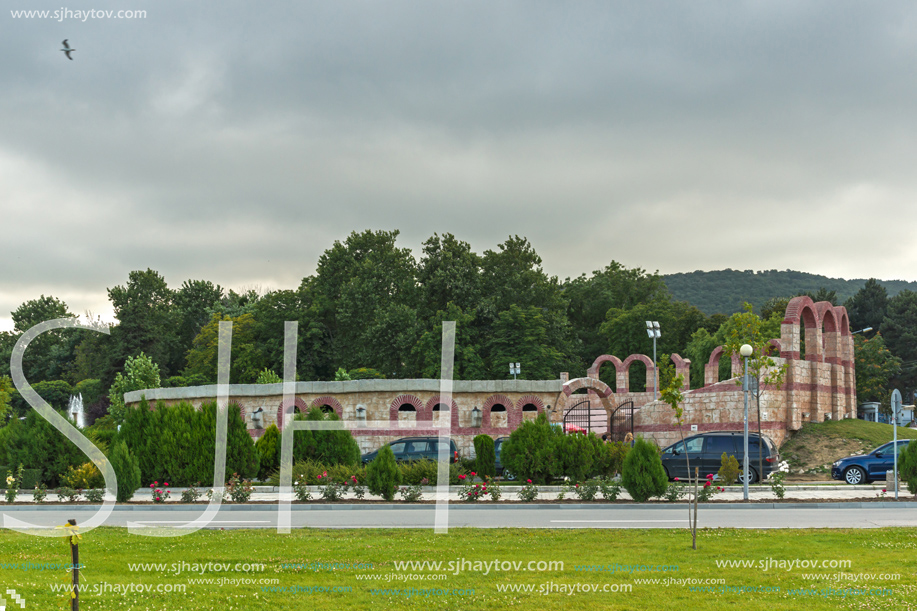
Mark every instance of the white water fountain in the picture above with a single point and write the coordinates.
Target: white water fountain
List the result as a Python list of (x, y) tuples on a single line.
[(76, 410)]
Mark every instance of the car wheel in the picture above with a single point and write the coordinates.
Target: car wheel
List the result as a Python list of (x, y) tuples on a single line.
[(855, 475), (752, 476), (508, 476)]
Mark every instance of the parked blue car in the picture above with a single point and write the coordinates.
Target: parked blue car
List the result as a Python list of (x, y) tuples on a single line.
[(866, 468)]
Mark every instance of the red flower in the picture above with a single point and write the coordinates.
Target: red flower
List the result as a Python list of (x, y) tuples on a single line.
[(528, 481), (676, 479), (462, 476), (166, 484), (473, 474), (710, 476)]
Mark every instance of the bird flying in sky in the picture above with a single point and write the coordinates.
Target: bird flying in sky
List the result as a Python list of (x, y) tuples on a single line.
[(67, 49)]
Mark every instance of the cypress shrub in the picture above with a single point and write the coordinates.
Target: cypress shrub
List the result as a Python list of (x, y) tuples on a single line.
[(383, 475), (531, 451), (610, 460), (908, 466), (485, 456), (36, 444), (643, 475), (577, 454), (268, 448), (729, 469), (127, 470)]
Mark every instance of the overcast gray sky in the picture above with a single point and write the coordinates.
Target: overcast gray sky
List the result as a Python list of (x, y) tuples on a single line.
[(235, 141)]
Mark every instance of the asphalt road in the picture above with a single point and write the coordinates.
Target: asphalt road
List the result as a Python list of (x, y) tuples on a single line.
[(826, 515)]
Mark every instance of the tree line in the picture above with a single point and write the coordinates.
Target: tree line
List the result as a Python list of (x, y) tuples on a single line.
[(373, 309)]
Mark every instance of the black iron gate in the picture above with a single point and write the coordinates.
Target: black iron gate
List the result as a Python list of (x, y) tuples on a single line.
[(582, 415), (621, 422)]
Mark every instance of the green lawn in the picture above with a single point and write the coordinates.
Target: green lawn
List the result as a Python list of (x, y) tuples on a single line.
[(106, 554)]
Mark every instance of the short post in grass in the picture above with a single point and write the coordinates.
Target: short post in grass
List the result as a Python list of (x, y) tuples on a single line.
[(694, 526), (74, 567)]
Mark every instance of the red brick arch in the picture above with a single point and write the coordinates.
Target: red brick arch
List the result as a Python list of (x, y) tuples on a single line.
[(650, 369), (436, 400), (331, 402), (401, 400), (601, 389), (594, 371), (536, 401), (489, 404), (298, 403)]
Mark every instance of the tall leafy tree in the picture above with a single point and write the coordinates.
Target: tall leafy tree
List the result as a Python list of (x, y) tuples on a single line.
[(875, 367), (468, 364), (867, 307), (246, 361), (364, 288), (49, 354), (148, 321), (449, 273), (900, 332), (614, 287), (193, 303), (521, 335)]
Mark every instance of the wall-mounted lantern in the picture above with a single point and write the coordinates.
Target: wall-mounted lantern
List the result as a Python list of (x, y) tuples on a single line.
[(258, 418), (361, 413), (477, 418)]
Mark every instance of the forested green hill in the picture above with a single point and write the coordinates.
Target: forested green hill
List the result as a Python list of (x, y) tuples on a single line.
[(724, 291)]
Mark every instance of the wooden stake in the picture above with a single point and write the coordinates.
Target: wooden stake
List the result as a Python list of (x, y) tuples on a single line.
[(694, 528), (74, 571)]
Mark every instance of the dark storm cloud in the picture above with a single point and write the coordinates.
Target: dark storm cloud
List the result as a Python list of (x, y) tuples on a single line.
[(235, 141)]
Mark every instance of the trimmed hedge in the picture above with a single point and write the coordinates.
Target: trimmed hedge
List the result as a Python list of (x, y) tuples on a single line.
[(177, 443)]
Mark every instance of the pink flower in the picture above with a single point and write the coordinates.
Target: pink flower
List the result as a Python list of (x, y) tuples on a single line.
[(676, 479), (473, 474), (166, 484), (710, 476), (462, 476), (528, 481)]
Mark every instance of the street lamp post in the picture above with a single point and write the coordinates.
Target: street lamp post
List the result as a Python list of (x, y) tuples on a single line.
[(652, 330), (745, 351), (896, 407)]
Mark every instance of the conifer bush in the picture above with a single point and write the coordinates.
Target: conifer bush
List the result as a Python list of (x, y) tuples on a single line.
[(643, 475), (486, 456), (383, 475), (268, 447), (127, 470), (729, 469), (908, 465)]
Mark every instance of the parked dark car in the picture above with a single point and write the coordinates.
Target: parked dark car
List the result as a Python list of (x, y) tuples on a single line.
[(865, 468), (416, 448), (705, 451), (501, 470)]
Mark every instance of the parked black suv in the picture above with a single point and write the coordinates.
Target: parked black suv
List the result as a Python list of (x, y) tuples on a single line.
[(500, 469), (705, 451), (416, 448)]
